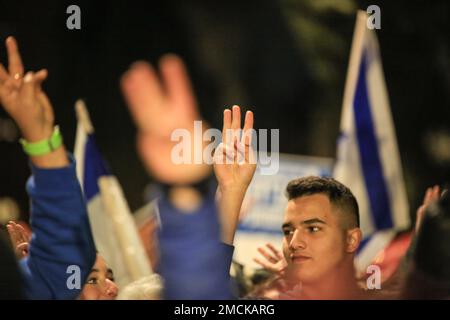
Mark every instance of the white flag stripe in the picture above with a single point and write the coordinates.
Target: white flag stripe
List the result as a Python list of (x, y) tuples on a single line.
[(102, 225), (125, 229)]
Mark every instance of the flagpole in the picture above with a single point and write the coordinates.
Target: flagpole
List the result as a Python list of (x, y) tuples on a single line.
[(83, 116)]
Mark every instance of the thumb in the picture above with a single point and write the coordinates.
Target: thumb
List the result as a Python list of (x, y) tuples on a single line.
[(40, 77)]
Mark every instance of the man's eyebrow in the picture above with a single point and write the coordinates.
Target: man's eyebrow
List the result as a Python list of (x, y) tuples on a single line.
[(312, 221), (94, 270), (109, 270), (286, 225)]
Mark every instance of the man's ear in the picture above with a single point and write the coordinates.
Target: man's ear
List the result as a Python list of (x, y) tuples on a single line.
[(354, 237)]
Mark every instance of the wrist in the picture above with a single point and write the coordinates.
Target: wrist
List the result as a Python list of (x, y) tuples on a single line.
[(233, 188), (35, 135), (43, 146), (55, 159), (46, 152), (202, 186)]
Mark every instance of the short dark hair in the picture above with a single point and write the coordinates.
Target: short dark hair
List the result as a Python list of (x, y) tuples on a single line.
[(338, 194)]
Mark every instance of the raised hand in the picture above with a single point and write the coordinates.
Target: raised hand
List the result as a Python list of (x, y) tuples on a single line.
[(234, 161), (432, 194), (20, 239), (234, 167), (274, 261), (24, 100), (159, 107)]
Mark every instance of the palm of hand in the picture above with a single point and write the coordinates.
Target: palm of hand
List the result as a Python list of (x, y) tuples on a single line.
[(234, 174), (234, 158), (20, 239), (273, 259), (159, 108), (23, 98)]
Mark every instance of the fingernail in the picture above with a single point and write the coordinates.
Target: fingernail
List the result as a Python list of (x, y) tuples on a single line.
[(28, 77)]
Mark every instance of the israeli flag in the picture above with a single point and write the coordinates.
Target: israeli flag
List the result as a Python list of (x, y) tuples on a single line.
[(368, 160), (114, 231)]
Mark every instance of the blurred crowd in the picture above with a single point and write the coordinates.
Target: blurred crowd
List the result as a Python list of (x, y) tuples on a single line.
[(191, 242)]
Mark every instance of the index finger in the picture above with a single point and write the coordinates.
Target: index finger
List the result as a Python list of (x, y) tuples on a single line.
[(177, 83), (248, 126), (274, 250), (21, 232), (226, 124), (15, 62), (12, 233)]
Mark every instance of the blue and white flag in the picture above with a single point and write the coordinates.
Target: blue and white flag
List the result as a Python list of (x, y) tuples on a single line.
[(113, 228), (368, 160)]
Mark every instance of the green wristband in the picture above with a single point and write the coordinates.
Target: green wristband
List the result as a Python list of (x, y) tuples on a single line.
[(43, 147)]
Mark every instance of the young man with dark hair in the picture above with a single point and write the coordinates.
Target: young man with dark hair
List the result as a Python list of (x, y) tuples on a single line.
[(321, 236)]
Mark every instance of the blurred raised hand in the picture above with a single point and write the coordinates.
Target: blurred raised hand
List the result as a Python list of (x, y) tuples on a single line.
[(432, 194), (20, 239), (160, 105)]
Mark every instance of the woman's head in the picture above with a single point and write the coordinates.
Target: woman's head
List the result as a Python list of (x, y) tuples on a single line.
[(100, 283)]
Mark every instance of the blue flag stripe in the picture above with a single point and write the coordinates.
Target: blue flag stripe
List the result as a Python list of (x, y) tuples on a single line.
[(94, 168), (368, 151)]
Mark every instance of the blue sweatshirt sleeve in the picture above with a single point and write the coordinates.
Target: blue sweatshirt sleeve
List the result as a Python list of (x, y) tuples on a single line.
[(61, 240), (194, 263)]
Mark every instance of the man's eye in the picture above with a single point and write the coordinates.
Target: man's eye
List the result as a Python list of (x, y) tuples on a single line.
[(313, 229), (92, 281), (287, 232)]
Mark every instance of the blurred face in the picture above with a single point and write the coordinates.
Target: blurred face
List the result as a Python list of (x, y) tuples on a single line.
[(314, 243), (100, 283)]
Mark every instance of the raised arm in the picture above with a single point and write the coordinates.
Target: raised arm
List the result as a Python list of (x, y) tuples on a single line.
[(61, 234), (234, 166)]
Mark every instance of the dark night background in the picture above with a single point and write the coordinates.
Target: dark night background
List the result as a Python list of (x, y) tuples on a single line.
[(286, 59)]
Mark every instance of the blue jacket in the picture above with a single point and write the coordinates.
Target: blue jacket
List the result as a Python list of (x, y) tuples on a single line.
[(61, 235)]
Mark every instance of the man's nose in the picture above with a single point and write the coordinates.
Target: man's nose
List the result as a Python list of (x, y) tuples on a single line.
[(297, 241)]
